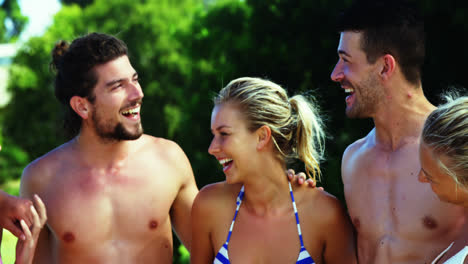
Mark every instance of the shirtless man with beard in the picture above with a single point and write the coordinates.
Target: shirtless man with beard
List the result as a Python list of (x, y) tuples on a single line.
[(398, 219), (106, 190)]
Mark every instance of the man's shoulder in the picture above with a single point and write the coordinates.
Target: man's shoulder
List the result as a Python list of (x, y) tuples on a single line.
[(161, 145), (38, 172), (168, 152), (48, 160), (359, 146)]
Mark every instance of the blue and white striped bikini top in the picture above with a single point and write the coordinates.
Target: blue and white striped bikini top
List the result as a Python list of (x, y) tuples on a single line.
[(222, 256)]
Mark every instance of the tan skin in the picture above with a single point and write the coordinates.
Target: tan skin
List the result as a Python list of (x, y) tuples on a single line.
[(445, 187), (110, 201), (265, 229), (397, 219)]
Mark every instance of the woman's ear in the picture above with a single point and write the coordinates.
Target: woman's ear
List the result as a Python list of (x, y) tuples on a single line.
[(263, 137), (80, 105)]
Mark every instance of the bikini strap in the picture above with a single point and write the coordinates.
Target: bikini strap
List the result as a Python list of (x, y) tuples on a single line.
[(297, 216), (238, 202)]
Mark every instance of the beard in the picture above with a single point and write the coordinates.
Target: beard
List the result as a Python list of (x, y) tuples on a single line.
[(368, 95), (114, 131)]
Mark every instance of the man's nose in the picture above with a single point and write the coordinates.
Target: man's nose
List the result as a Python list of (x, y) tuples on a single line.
[(337, 74), (136, 92)]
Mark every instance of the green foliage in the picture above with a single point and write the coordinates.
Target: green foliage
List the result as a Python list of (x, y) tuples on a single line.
[(12, 21), (81, 3), (8, 247), (184, 255), (13, 159)]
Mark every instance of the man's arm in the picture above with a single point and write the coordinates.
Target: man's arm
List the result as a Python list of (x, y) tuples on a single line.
[(182, 206)]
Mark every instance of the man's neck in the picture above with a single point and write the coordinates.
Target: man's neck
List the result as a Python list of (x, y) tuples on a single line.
[(400, 118), (102, 152)]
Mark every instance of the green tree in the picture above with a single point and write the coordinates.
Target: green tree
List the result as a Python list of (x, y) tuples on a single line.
[(13, 22), (12, 157), (81, 3)]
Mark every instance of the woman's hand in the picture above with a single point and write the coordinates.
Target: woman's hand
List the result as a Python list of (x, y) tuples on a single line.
[(25, 248)]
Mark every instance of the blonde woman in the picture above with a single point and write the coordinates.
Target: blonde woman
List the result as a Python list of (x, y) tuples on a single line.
[(254, 216), (444, 164)]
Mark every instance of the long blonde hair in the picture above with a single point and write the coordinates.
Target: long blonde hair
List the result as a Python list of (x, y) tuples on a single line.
[(296, 127), (446, 133)]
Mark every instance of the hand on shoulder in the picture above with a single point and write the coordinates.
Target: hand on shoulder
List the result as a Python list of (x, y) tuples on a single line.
[(300, 178)]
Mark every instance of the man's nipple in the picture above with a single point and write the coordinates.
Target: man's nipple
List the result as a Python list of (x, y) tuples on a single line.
[(68, 237), (153, 224), (429, 222)]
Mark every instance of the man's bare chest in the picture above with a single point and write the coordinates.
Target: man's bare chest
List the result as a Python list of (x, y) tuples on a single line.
[(93, 209), (395, 203)]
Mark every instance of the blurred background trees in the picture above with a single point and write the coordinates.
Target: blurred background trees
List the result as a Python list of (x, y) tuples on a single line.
[(186, 50), (13, 21)]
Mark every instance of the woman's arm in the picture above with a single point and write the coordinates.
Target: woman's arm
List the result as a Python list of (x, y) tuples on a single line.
[(202, 220), (340, 242)]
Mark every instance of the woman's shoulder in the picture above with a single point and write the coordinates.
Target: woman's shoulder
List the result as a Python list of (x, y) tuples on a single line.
[(217, 195), (319, 205)]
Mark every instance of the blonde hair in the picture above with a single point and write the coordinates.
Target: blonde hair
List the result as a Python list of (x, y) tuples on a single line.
[(446, 133), (296, 127)]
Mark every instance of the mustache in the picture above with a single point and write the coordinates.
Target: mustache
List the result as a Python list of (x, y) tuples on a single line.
[(346, 83), (132, 104)]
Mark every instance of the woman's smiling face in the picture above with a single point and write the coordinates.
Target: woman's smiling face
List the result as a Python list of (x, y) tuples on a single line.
[(233, 145)]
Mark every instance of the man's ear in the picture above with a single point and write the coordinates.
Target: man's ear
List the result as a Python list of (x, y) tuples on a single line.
[(388, 66), (80, 105), (263, 137)]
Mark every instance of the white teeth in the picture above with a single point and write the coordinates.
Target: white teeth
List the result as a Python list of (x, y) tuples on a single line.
[(349, 90), (224, 161), (133, 111)]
